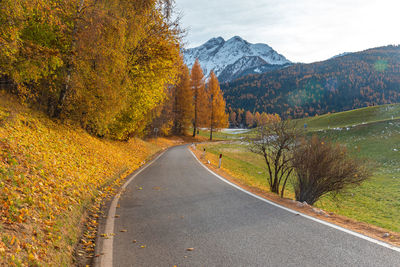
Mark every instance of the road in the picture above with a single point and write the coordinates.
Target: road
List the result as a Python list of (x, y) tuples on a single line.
[(176, 204)]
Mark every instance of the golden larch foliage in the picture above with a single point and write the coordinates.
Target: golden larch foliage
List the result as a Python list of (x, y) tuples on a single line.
[(217, 111), (198, 87)]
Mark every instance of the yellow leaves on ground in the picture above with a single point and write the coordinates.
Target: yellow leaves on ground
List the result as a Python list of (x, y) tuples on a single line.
[(49, 174)]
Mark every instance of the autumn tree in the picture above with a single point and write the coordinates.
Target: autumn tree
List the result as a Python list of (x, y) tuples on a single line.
[(199, 96), (162, 122), (69, 59), (240, 117), (257, 118), (152, 53), (249, 119), (105, 64), (232, 118), (218, 118), (33, 43), (183, 103)]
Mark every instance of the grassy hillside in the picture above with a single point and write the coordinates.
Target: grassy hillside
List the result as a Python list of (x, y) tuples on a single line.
[(377, 201), (352, 117), (50, 173)]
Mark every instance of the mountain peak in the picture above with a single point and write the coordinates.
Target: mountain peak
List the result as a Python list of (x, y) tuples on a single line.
[(234, 56), (236, 39), (215, 41)]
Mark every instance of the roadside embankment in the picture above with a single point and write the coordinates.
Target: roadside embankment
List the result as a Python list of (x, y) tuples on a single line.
[(51, 176)]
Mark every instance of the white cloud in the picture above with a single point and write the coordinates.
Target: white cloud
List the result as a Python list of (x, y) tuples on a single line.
[(302, 30)]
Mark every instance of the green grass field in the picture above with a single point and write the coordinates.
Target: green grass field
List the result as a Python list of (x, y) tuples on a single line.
[(377, 201), (352, 117)]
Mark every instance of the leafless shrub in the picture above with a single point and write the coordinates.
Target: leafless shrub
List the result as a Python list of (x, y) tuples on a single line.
[(323, 168)]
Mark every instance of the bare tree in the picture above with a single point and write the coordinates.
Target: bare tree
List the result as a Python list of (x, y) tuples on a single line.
[(275, 141), (322, 168)]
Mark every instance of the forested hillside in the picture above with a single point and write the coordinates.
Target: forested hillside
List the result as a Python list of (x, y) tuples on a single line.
[(101, 63), (367, 78)]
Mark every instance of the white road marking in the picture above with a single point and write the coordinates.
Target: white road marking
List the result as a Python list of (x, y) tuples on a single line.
[(106, 258), (370, 239)]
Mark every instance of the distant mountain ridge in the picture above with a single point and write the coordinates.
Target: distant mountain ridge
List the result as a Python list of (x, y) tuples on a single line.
[(345, 82), (234, 58)]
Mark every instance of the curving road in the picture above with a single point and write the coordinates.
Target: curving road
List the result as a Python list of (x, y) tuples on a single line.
[(176, 204)]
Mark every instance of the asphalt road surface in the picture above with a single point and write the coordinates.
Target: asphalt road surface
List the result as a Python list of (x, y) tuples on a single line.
[(176, 204)]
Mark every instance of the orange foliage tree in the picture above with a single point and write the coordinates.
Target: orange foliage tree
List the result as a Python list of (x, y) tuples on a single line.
[(218, 118), (183, 103), (198, 86)]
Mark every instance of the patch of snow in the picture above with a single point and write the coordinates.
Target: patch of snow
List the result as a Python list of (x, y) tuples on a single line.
[(235, 131)]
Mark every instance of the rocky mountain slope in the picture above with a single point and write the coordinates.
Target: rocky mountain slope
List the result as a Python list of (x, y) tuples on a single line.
[(234, 58)]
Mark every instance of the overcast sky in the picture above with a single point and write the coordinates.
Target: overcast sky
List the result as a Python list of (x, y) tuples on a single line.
[(301, 30)]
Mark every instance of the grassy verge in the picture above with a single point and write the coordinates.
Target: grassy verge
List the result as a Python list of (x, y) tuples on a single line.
[(376, 202), (50, 175)]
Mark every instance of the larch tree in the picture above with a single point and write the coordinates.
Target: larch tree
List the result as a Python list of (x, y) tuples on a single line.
[(240, 118), (198, 87), (249, 119), (183, 103), (257, 118), (232, 118), (218, 118)]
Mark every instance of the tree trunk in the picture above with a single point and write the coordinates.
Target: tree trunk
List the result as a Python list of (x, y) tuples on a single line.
[(195, 114), (284, 183), (66, 87), (212, 117)]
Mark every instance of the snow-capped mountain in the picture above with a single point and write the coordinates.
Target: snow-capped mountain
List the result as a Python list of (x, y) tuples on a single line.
[(234, 58)]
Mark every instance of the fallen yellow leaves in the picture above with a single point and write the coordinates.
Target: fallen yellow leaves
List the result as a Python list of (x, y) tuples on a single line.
[(49, 174)]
